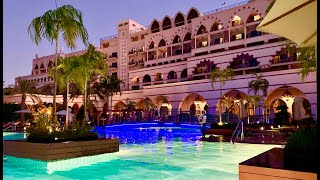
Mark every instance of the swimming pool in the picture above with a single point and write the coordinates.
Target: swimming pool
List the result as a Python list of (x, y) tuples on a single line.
[(147, 151)]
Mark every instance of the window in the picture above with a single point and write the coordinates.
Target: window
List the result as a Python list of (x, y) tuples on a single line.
[(123, 34), (238, 36), (204, 43)]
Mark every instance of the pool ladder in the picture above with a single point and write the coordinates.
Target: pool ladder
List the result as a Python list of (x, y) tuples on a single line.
[(236, 131)]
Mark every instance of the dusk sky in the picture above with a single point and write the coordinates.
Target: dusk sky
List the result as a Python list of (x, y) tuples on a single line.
[(100, 19)]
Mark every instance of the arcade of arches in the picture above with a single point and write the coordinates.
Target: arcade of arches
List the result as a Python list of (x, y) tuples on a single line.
[(194, 104)]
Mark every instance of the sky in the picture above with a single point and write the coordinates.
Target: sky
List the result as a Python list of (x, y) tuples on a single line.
[(100, 19)]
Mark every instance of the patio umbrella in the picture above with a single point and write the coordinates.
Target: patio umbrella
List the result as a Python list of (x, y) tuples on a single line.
[(62, 113), (24, 111), (295, 20), (298, 111)]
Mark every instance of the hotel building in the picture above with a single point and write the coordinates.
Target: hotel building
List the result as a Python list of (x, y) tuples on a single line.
[(169, 61)]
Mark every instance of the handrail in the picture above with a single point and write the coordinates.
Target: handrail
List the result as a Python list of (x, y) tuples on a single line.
[(226, 7), (242, 134)]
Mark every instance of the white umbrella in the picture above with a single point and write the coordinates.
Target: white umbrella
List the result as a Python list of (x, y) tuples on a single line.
[(62, 113), (24, 111), (293, 19), (298, 111)]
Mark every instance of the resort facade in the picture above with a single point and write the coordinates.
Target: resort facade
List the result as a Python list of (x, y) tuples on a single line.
[(169, 61)]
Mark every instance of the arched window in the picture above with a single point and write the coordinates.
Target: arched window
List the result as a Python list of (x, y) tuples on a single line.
[(176, 39), (192, 14), (41, 66), (184, 73), (166, 24), (172, 75), (253, 17), (187, 37), (155, 27), (202, 30), (50, 65), (135, 80), (146, 78), (159, 77), (151, 46), (162, 43), (236, 21), (179, 20), (216, 26), (37, 67)]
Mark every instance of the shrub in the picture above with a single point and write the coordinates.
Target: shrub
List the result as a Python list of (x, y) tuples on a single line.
[(47, 130), (302, 149)]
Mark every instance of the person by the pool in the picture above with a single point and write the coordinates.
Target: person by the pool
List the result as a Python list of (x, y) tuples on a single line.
[(202, 121)]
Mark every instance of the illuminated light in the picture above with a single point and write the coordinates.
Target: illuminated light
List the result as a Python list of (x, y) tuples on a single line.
[(262, 128), (271, 127), (279, 126), (165, 104), (220, 123), (287, 95), (55, 138)]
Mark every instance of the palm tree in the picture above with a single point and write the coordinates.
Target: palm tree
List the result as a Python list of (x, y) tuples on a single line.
[(130, 106), (223, 76), (66, 73), (147, 106), (107, 87), (257, 85), (90, 64), (66, 21), (25, 87)]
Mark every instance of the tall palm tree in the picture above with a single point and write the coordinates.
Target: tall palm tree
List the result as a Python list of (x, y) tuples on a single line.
[(257, 85), (25, 87), (109, 86), (147, 106), (223, 76), (66, 73), (65, 21), (130, 106), (90, 64)]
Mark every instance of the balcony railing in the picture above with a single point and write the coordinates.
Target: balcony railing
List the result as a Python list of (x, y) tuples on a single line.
[(108, 37)]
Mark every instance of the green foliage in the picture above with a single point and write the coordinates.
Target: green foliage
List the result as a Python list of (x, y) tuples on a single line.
[(302, 149), (47, 129), (8, 114), (223, 75), (308, 58), (259, 84), (66, 20)]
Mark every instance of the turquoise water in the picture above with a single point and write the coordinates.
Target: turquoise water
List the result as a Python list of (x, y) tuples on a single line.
[(146, 152)]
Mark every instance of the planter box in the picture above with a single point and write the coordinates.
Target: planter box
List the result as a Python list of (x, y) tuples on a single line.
[(224, 132), (59, 151), (271, 165)]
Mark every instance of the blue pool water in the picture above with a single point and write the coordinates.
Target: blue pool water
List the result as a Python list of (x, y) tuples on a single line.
[(147, 151)]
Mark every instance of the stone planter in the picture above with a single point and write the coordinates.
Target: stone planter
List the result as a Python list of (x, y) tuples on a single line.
[(272, 165), (59, 151)]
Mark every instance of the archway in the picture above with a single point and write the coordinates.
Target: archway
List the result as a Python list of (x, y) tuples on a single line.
[(286, 94), (164, 105), (179, 20), (155, 27), (192, 104), (230, 104)]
